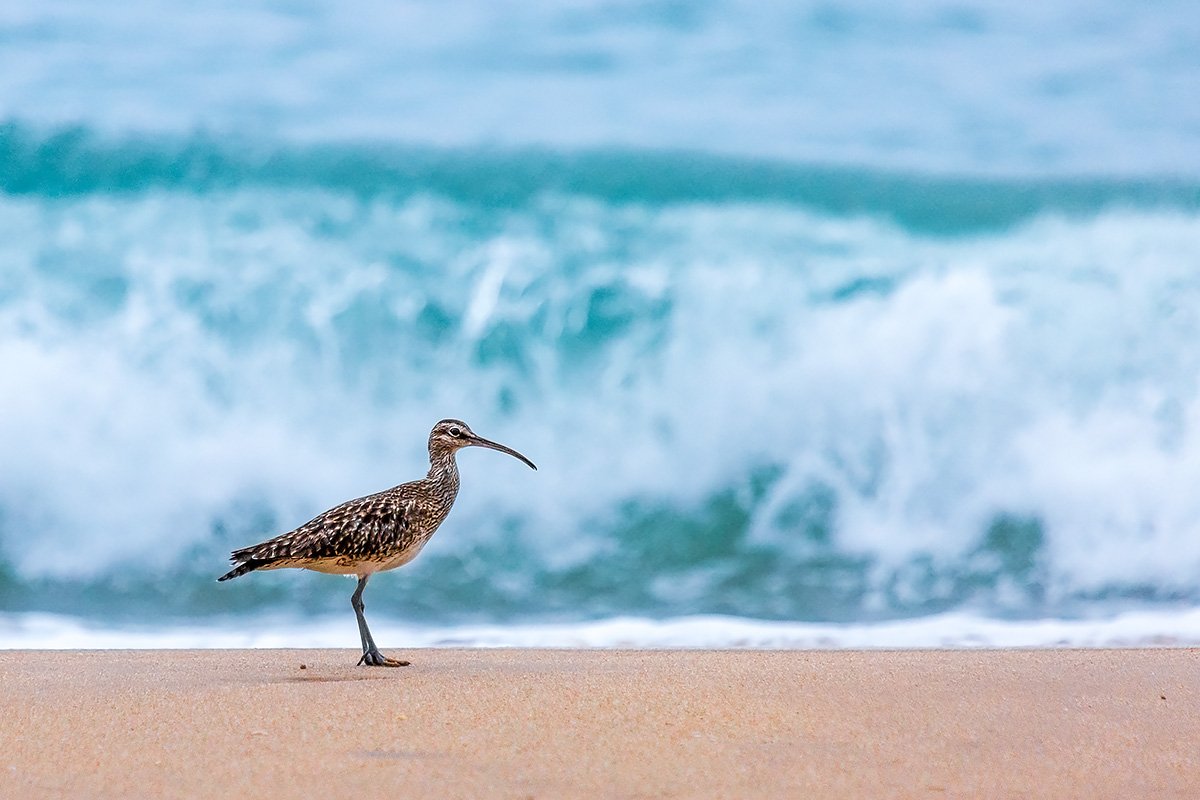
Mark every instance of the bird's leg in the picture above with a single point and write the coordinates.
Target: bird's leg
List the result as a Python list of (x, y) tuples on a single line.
[(371, 656)]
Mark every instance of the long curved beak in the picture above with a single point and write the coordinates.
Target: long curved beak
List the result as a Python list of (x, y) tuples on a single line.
[(479, 441)]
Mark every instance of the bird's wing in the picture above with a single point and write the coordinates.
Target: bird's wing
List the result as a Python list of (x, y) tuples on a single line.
[(356, 528)]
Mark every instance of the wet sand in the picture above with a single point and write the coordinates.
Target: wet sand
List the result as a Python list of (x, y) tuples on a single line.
[(601, 724)]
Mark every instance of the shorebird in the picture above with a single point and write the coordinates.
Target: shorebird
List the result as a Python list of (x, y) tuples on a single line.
[(373, 533)]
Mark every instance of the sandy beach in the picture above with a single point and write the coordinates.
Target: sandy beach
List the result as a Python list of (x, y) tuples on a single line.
[(601, 724)]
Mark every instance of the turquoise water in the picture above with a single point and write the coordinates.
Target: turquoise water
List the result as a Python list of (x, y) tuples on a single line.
[(805, 314)]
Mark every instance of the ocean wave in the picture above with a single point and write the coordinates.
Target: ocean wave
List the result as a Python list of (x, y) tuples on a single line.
[(78, 161), (966, 86), (740, 405)]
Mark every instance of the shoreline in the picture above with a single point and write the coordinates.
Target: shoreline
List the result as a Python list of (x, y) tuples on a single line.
[(601, 723), (1136, 628)]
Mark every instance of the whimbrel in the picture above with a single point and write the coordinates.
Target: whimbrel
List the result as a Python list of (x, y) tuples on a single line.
[(373, 533)]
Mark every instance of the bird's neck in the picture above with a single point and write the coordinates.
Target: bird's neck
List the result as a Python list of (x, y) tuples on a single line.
[(443, 471)]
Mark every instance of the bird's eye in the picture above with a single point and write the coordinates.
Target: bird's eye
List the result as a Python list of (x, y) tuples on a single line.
[(456, 432)]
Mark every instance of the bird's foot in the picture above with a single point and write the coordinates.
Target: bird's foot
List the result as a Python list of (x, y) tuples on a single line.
[(374, 658)]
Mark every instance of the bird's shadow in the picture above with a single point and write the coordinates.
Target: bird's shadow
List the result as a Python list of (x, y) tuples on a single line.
[(364, 675)]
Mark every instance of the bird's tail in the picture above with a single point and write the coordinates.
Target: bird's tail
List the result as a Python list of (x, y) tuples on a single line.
[(241, 569)]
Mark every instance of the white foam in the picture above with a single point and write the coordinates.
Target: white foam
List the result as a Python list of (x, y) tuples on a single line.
[(1172, 627)]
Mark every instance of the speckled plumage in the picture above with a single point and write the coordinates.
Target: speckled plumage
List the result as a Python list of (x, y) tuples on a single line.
[(368, 534), (374, 533)]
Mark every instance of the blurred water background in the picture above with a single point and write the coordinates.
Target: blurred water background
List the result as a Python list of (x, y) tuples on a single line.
[(867, 323)]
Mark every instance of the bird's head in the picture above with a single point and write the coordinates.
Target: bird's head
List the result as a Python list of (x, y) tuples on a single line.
[(451, 435)]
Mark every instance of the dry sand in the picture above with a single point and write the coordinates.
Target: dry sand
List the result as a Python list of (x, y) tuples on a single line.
[(603, 724)]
